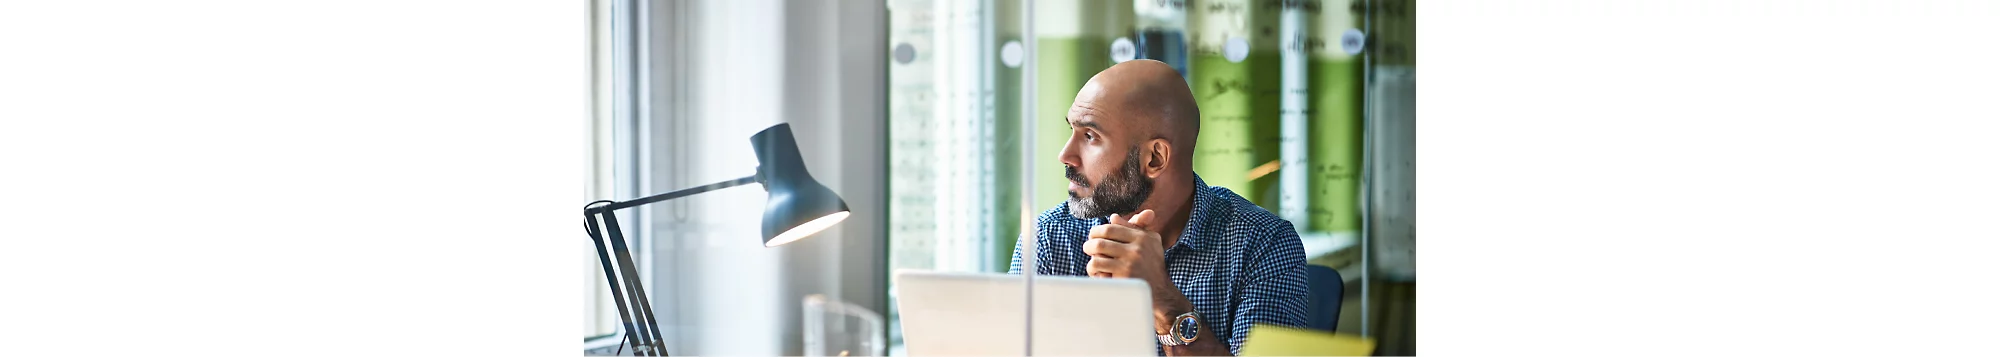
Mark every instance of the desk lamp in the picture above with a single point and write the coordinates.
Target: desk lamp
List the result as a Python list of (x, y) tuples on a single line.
[(797, 208)]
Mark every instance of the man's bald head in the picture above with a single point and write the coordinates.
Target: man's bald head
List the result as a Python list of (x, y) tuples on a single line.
[(1152, 99)]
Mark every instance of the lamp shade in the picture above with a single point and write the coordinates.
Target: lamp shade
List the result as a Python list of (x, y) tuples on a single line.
[(799, 206)]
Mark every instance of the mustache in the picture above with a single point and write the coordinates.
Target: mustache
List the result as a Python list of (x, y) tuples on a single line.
[(1070, 172)]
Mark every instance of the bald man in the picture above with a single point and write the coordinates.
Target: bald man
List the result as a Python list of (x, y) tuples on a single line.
[(1216, 263)]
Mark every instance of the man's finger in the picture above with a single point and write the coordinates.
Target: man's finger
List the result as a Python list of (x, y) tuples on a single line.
[(1097, 266), (1117, 219), (1143, 220), (1107, 266), (1096, 247), (1107, 248), (1121, 234)]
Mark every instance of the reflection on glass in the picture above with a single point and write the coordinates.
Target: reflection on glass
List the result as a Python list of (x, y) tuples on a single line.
[(838, 328)]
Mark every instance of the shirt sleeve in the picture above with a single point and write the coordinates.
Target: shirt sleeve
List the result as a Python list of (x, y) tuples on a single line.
[(1043, 263), (1040, 235), (1276, 292), (1015, 267)]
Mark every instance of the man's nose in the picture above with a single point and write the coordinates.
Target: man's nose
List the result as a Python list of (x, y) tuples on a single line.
[(1068, 156)]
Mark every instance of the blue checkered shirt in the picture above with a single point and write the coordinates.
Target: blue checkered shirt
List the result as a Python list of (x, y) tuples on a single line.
[(1237, 263)]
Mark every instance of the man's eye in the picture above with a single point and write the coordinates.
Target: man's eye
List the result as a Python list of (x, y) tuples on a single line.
[(1088, 136)]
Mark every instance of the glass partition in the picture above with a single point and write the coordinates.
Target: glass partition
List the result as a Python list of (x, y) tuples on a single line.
[(954, 142)]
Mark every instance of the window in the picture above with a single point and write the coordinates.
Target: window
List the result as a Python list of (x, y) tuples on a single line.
[(612, 168)]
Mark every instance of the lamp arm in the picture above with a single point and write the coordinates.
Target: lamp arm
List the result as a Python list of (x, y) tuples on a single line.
[(613, 206)]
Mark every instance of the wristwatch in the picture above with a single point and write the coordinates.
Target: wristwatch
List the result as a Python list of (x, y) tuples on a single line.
[(1184, 330)]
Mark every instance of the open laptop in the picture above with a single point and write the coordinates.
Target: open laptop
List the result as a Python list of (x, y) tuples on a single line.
[(964, 314)]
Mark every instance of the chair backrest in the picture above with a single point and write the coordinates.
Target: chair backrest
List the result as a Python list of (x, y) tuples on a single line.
[(1323, 305)]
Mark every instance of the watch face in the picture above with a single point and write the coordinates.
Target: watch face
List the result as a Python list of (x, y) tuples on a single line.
[(1187, 328)]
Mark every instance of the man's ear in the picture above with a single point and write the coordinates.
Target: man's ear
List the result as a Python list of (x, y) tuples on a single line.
[(1158, 152)]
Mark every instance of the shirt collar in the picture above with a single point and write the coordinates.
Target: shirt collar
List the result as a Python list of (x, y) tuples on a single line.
[(1190, 236)]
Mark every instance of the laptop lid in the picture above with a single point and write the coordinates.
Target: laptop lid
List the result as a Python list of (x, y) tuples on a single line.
[(968, 314)]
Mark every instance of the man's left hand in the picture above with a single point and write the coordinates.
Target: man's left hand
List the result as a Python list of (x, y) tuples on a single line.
[(1128, 248)]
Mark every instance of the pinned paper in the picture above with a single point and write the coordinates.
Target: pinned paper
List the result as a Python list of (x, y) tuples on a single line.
[(1235, 49), (1268, 340), (1122, 50), (1011, 54), (1353, 41)]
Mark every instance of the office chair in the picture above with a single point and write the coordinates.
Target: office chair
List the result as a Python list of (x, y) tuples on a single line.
[(1323, 305)]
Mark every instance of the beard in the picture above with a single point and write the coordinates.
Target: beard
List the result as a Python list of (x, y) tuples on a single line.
[(1120, 192)]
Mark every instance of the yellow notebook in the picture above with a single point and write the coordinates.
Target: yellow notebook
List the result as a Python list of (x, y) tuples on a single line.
[(1267, 340)]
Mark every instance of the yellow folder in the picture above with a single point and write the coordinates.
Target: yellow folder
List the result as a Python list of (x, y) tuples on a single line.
[(1267, 340)]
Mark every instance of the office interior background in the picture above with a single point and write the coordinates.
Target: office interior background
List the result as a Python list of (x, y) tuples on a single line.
[(918, 112), (401, 177)]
